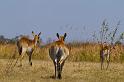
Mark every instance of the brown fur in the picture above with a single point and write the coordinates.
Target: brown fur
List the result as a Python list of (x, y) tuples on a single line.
[(26, 45), (59, 53), (105, 54)]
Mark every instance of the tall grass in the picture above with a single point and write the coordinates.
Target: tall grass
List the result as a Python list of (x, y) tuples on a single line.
[(78, 52)]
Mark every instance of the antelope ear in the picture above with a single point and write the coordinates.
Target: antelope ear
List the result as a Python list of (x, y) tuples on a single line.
[(39, 34), (65, 35), (57, 35), (33, 33)]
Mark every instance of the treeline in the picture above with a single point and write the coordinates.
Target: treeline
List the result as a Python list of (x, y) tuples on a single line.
[(4, 40), (106, 33)]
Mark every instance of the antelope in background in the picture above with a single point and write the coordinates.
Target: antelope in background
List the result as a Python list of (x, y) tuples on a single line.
[(105, 52), (26, 45), (59, 53)]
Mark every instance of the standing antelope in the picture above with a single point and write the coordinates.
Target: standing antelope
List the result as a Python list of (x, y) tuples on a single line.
[(26, 45), (105, 53), (59, 53)]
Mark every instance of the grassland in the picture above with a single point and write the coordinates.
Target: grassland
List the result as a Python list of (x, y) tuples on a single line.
[(81, 66), (42, 71), (78, 52)]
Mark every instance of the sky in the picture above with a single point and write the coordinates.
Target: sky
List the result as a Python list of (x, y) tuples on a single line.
[(78, 18)]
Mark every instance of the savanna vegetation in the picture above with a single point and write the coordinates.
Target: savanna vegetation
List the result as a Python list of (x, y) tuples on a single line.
[(79, 51), (83, 63)]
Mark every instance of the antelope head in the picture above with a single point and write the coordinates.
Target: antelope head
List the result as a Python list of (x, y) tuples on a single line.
[(61, 39), (36, 37)]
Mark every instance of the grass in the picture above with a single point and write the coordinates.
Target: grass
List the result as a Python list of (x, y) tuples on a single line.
[(81, 66), (78, 52), (73, 71)]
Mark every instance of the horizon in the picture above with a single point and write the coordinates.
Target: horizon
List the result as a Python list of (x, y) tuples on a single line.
[(79, 19)]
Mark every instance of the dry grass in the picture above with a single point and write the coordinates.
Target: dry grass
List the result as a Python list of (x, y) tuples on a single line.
[(78, 52), (76, 68), (90, 52), (42, 71)]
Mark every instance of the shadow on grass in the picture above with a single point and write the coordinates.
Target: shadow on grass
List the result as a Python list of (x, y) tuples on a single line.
[(49, 77)]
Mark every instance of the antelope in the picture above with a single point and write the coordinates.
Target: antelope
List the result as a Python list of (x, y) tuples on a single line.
[(105, 52), (59, 52), (26, 45)]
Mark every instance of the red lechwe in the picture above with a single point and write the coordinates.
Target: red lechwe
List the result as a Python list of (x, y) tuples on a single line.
[(59, 53), (26, 45)]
